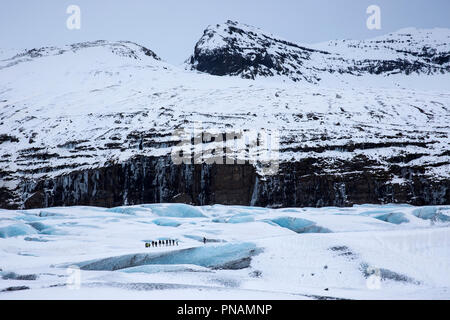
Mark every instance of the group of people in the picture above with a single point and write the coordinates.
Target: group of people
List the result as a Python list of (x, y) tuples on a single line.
[(166, 243), (161, 243)]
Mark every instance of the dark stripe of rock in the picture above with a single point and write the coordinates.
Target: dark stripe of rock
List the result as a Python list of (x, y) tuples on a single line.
[(302, 183)]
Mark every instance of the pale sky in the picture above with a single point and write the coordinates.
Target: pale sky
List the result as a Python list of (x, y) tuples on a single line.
[(172, 27)]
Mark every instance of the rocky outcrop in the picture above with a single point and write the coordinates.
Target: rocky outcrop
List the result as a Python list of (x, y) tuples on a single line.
[(304, 183)]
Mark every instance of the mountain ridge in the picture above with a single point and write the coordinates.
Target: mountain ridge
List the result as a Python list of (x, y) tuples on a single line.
[(241, 50)]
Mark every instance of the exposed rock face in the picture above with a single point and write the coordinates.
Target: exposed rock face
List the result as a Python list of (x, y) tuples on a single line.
[(153, 180), (241, 50), (146, 180)]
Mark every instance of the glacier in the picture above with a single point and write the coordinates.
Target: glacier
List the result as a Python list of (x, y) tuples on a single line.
[(250, 252)]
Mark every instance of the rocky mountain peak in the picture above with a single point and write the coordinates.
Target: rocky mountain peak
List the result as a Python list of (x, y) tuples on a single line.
[(236, 49)]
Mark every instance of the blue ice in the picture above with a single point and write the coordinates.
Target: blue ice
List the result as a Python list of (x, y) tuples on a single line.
[(393, 217), (15, 230), (431, 213), (299, 225), (234, 255), (164, 222), (177, 210)]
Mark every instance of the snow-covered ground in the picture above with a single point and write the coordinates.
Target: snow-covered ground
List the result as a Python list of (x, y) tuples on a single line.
[(360, 252)]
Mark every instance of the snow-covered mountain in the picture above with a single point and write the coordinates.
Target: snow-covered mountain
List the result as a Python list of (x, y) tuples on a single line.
[(241, 50), (94, 123)]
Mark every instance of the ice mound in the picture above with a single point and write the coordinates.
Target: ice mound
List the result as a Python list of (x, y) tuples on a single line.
[(431, 213), (40, 227), (176, 210), (228, 256), (164, 222), (383, 206), (393, 217), (299, 225), (241, 218), (156, 268), (15, 230), (45, 229), (28, 218), (126, 210), (50, 214)]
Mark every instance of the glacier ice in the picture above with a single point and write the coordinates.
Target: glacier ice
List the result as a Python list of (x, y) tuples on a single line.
[(431, 213), (299, 225), (240, 218), (15, 230), (164, 222), (280, 249), (127, 210), (176, 210), (393, 217), (50, 214), (228, 256)]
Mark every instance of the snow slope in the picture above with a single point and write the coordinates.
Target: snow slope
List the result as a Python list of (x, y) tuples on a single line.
[(273, 255)]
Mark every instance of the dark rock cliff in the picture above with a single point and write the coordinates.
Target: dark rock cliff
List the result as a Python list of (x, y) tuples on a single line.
[(153, 180)]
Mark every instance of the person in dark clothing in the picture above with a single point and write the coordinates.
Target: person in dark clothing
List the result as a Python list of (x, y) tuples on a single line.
[(204, 240)]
